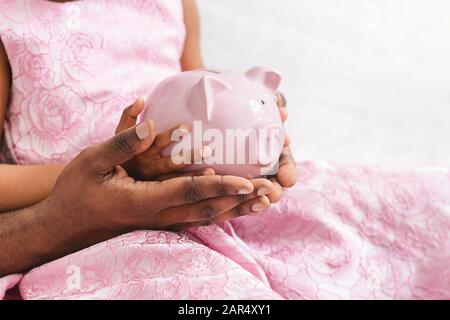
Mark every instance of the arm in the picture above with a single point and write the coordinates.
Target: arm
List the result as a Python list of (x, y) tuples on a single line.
[(94, 199), (31, 183), (34, 183), (22, 186), (191, 58), (38, 234)]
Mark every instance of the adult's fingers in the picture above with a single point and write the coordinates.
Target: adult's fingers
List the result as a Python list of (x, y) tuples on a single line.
[(242, 205), (130, 115), (164, 139), (185, 190), (271, 188), (248, 208), (262, 186), (205, 210), (120, 148), (210, 208), (200, 172), (168, 165), (251, 207)]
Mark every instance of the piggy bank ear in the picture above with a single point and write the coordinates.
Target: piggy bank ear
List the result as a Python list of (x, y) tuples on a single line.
[(202, 95), (269, 78)]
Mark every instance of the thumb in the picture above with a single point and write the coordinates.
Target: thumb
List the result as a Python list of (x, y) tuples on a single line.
[(122, 147)]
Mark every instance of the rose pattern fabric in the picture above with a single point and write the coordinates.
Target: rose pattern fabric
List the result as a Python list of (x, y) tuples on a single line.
[(340, 233), (77, 65)]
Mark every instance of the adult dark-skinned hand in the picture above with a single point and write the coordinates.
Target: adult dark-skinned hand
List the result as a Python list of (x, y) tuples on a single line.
[(94, 199)]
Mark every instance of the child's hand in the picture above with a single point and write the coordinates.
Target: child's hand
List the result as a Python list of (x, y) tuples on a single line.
[(287, 172), (150, 165)]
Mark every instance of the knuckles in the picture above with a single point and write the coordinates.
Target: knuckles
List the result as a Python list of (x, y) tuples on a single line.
[(192, 192), (242, 197), (220, 189), (205, 223), (159, 143), (122, 144), (208, 213), (238, 211)]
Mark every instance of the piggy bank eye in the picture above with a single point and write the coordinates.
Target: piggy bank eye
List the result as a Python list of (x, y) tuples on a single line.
[(263, 102), (255, 105)]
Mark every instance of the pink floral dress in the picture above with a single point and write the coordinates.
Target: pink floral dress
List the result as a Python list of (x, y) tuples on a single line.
[(76, 65), (340, 233)]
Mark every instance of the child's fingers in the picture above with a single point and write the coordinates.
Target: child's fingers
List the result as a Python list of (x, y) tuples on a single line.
[(130, 114), (168, 165), (277, 192), (287, 173), (270, 188), (287, 140), (283, 113), (281, 103), (164, 139), (280, 100), (201, 172)]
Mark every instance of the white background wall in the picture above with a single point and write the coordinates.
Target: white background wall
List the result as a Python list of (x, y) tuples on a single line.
[(368, 81)]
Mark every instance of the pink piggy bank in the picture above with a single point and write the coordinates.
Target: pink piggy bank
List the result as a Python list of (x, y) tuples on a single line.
[(234, 114)]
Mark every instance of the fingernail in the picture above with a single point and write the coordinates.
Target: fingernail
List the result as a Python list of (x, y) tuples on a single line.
[(185, 126), (180, 133), (245, 190), (205, 152), (208, 172), (258, 206), (263, 190), (143, 130)]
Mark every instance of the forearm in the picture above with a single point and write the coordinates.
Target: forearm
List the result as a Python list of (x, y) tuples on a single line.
[(33, 236), (23, 186), (191, 58)]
